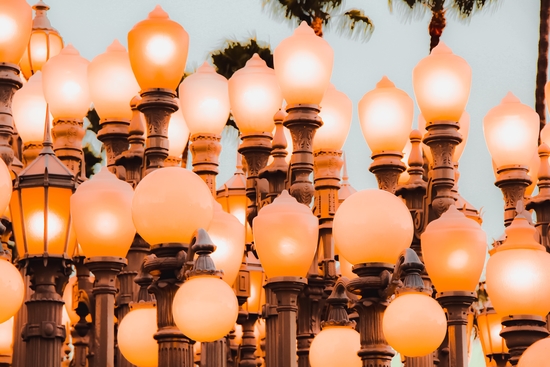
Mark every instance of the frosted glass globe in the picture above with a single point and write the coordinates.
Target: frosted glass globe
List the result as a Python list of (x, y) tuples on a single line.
[(536, 355), (335, 346), (135, 336), (12, 290)]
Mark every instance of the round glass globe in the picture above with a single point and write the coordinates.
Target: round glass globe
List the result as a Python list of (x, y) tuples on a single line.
[(536, 354), (414, 324), (205, 308), (335, 346), (158, 202), (6, 338), (135, 336), (372, 226), (12, 290)]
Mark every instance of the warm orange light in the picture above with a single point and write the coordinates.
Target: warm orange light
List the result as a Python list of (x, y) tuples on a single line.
[(158, 202), (386, 115), (68, 299), (12, 290), (536, 354), (517, 273), (255, 96), (5, 187), (135, 335), (227, 233), (101, 209), (441, 84), (232, 195), (285, 234), (336, 111), (335, 346), (178, 134), (6, 340), (15, 29), (65, 83), (112, 83), (29, 109), (489, 326), (414, 324), (453, 250), (204, 98), (45, 42), (158, 51), (303, 65), (464, 130), (511, 132), (372, 226), (205, 308)]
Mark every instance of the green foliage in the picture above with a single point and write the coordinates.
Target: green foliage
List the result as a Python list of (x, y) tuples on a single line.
[(355, 25), (91, 147), (305, 10)]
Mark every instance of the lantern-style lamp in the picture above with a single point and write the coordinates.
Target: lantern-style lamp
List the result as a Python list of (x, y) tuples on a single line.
[(232, 195), (13, 288), (255, 97), (285, 234), (511, 131), (112, 83), (15, 29), (158, 49), (361, 227), (489, 326), (303, 65), (517, 273), (227, 233), (101, 209), (178, 136), (136, 335), (453, 249), (45, 42), (205, 307), (414, 324), (536, 354), (336, 113), (441, 83), (157, 203), (256, 275)]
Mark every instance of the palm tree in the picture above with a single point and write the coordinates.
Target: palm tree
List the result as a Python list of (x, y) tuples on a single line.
[(463, 9), (319, 13), (542, 61)]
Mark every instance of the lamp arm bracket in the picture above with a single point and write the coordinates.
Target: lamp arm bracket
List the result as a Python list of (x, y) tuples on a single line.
[(406, 275)]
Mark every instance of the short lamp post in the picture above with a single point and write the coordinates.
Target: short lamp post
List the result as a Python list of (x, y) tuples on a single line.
[(42, 228), (102, 219), (516, 283)]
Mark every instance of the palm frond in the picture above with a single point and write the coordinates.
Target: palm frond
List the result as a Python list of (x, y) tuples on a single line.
[(353, 24), (297, 11), (464, 9), (233, 55), (409, 10)]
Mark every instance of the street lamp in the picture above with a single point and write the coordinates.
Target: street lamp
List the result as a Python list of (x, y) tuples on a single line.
[(536, 354), (136, 332), (489, 326)]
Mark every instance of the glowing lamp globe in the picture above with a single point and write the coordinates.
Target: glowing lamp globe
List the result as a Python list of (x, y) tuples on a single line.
[(536, 354), (511, 132), (453, 250), (441, 83), (303, 65), (12, 289), (29, 109), (178, 134), (135, 335), (205, 308), (112, 83), (285, 235), (227, 233), (158, 202), (372, 226), (386, 116), (65, 83), (545, 135), (336, 113), (255, 96), (6, 338), (489, 327), (15, 29), (464, 131), (335, 346), (414, 324), (204, 97), (101, 209), (158, 51), (517, 273)]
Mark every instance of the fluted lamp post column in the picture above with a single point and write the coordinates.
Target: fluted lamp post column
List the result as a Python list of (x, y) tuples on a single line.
[(255, 97), (455, 239), (101, 211), (303, 66), (204, 98), (386, 115), (158, 51), (511, 132), (112, 88), (282, 227), (41, 220), (158, 218)]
